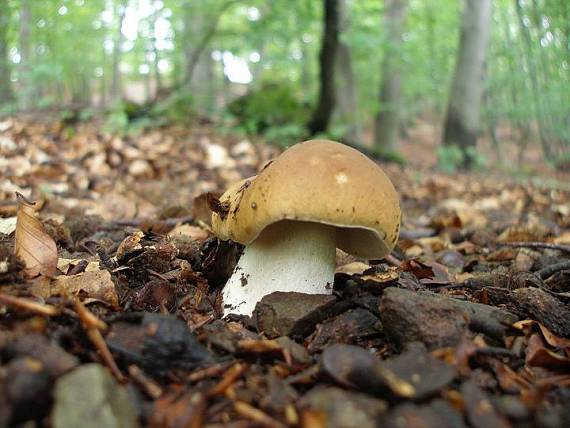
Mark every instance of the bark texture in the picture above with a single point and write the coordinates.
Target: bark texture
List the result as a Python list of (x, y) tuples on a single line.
[(121, 10), (463, 112), (387, 122), (327, 58), (24, 84), (5, 89), (346, 98)]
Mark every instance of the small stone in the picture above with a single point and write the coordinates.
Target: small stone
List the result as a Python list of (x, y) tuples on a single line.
[(480, 412), (437, 414), (89, 397), (425, 373), (55, 360), (27, 389), (347, 328), (294, 314), (433, 320), (344, 409), (158, 343)]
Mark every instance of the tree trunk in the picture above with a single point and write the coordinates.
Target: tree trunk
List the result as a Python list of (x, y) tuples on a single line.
[(120, 10), (207, 32), (327, 58), (462, 120), (533, 76), (347, 100), (388, 119), (5, 88), (522, 126), (155, 53), (24, 81)]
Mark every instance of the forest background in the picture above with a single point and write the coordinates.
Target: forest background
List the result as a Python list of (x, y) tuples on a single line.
[(474, 83)]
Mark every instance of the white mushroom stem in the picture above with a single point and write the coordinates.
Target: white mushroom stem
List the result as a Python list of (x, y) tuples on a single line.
[(287, 256)]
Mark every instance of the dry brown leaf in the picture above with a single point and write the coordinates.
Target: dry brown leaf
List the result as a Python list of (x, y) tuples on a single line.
[(186, 230), (353, 268), (7, 225), (538, 356), (551, 338), (33, 245), (89, 286)]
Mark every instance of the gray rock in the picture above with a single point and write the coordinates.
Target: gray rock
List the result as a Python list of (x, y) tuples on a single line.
[(55, 360), (294, 314), (433, 320), (347, 328), (89, 397), (344, 409), (437, 414), (480, 412)]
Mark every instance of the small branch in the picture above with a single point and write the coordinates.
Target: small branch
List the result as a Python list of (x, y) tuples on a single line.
[(548, 271), (151, 388), (29, 305), (228, 380), (93, 327), (255, 415), (537, 245)]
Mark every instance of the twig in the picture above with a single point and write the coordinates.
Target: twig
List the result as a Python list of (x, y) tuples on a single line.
[(537, 245), (29, 305), (229, 378), (151, 388), (548, 271), (208, 372), (255, 415), (93, 327)]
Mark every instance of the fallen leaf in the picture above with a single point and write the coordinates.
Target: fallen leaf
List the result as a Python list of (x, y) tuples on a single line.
[(551, 338), (7, 225), (33, 245), (353, 268), (90, 286), (185, 230), (538, 356)]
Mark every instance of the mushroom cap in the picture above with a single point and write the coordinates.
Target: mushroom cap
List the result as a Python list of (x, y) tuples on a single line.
[(317, 181)]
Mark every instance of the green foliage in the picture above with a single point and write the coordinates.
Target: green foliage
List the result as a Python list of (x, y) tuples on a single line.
[(176, 108), (450, 158), (273, 111)]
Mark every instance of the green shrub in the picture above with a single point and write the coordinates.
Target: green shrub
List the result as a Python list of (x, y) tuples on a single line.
[(273, 111), (450, 158)]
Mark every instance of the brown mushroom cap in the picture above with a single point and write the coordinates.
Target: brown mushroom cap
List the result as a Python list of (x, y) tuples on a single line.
[(317, 181)]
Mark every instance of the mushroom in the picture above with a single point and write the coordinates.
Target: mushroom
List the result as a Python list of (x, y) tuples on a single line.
[(317, 196)]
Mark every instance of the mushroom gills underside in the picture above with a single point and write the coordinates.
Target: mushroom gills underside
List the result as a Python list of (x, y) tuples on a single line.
[(287, 256)]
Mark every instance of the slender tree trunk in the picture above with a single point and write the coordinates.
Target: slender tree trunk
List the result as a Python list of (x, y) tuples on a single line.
[(533, 76), (431, 46), (327, 59), (207, 33), (5, 88), (347, 100), (155, 52), (522, 126), (463, 111), (120, 10), (388, 119), (25, 84)]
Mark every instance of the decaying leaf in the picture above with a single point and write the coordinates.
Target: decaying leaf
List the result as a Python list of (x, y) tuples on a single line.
[(7, 225), (90, 286), (551, 338), (34, 246)]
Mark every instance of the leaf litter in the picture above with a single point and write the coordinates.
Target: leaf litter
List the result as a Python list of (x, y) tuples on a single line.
[(465, 323)]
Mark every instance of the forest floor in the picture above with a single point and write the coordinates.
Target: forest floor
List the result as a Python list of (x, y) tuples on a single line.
[(467, 323)]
